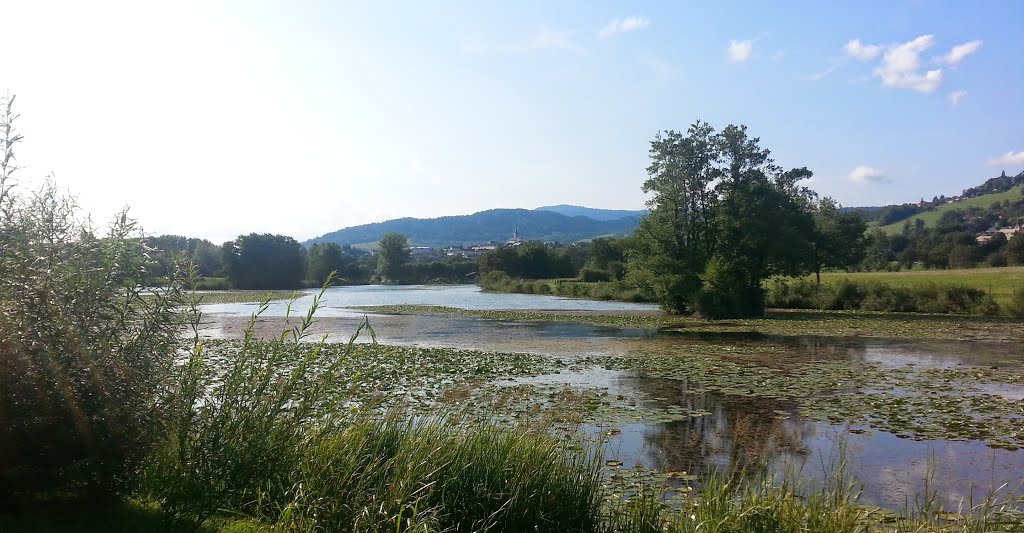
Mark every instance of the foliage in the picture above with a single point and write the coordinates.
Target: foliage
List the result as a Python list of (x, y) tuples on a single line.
[(329, 257), (234, 436), (984, 202), (85, 350), (723, 218), (530, 260), (442, 271), (607, 255), (168, 249), (850, 295), (1015, 307), (85, 346), (264, 261), (392, 254), (838, 240)]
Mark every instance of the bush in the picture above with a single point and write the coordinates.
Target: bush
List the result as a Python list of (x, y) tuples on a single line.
[(496, 280), (1015, 308), (873, 296), (210, 284), (85, 349), (593, 274)]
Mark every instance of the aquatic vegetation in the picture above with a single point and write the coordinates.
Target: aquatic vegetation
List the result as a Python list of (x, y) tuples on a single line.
[(789, 323)]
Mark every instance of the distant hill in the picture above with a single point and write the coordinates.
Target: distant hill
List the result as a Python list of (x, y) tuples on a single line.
[(932, 216), (589, 212), (486, 226)]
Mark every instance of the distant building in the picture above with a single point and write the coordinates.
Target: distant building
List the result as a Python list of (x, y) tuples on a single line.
[(515, 240), (1009, 233)]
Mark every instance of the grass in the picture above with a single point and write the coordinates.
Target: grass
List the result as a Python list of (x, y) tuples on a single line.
[(998, 282), (931, 217)]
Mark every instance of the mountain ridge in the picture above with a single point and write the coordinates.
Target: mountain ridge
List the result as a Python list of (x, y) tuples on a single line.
[(492, 225)]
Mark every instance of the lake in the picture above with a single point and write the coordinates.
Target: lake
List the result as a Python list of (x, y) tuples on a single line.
[(904, 420)]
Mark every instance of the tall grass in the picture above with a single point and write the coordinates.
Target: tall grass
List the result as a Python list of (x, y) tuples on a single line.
[(265, 432)]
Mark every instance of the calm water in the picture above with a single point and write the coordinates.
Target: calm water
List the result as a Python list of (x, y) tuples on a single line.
[(758, 434), (338, 301)]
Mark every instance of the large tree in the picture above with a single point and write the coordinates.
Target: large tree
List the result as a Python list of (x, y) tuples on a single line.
[(724, 217), (675, 240), (325, 258), (392, 254), (264, 261)]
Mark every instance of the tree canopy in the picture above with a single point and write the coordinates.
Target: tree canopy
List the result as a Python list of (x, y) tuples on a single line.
[(264, 261), (723, 218), (392, 254)]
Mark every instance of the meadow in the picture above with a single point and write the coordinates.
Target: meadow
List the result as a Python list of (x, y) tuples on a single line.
[(998, 282), (930, 218)]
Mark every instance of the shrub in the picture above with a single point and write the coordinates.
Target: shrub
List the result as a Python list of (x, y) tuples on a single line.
[(495, 280), (1015, 308), (593, 274), (85, 348)]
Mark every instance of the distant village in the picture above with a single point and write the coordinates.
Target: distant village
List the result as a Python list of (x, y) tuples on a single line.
[(470, 251)]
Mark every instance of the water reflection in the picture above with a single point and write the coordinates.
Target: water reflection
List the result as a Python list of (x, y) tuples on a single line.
[(760, 436)]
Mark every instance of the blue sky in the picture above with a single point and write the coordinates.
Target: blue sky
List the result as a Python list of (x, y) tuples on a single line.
[(217, 118)]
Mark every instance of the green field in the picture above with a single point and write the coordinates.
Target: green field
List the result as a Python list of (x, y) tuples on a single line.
[(931, 217), (999, 282)]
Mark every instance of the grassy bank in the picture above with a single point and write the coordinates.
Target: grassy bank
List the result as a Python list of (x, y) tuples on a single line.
[(998, 282), (986, 291)]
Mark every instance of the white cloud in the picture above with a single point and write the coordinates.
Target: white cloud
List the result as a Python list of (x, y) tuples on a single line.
[(900, 68), (557, 40), (866, 174), (956, 96), (861, 51), (624, 25), (959, 52), (1010, 158), (740, 51)]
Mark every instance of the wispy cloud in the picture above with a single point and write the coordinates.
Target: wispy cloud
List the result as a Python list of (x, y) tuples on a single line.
[(862, 52), (866, 174), (1009, 158), (556, 40), (959, 52), (624, 25), (740, 51), (956, 96), (824, 73)]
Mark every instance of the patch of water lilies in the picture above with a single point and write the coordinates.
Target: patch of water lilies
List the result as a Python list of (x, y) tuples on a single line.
[(582, 400), (778, 322)]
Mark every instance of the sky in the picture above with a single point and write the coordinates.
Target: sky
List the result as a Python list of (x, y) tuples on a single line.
[(215, 118)]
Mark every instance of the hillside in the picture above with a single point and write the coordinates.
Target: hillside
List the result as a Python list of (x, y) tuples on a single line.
[(485, 226), (932, 216), (589, 212)]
